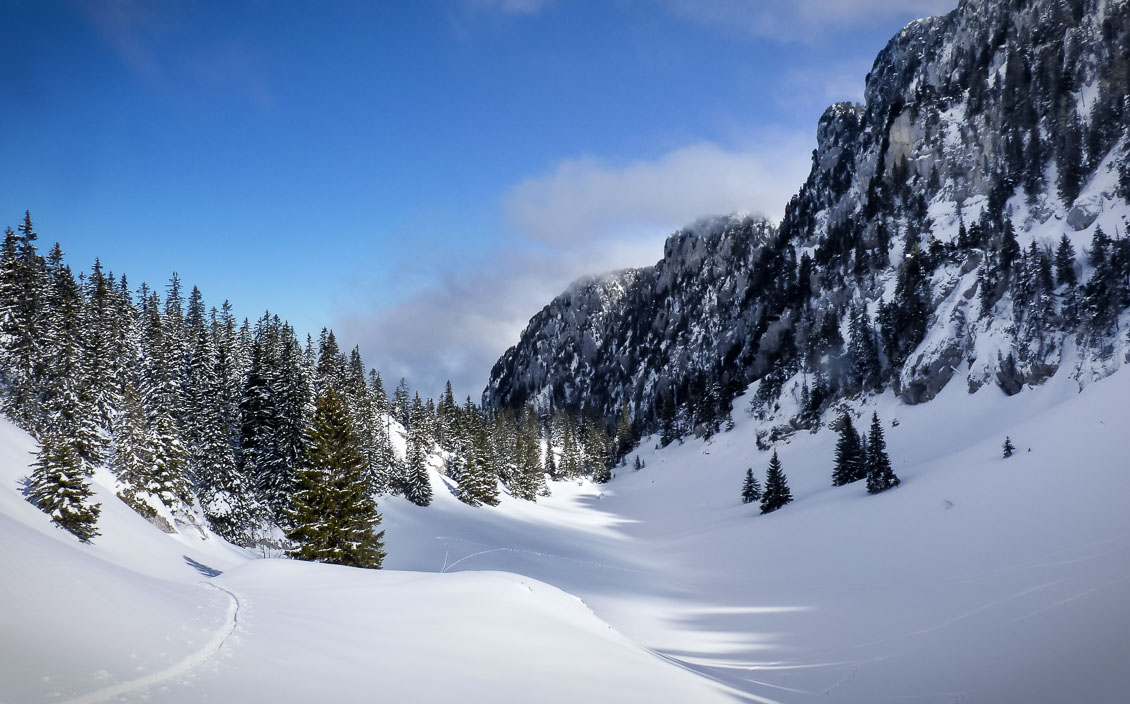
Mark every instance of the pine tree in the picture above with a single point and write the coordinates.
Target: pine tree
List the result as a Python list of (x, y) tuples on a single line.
[(776, 492), (333, 514), (1065, 262), (60, 488), (23, 285), (260, 459), (880, 476), (751, 489), (417, 485), (624, 433), (849, 454), (865, 368), (1009, 448), (477, 483)]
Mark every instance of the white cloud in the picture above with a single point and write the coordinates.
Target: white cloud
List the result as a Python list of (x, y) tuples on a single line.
[(800, 19), (583, 216), (587, 198), (509, 7)]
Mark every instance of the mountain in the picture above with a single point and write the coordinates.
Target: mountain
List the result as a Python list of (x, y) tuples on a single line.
[(967, 220)]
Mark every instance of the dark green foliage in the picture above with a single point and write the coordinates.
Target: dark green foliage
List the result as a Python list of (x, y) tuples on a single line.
[(333, 514), (751, 489), (1065, 262), (477, 482), (60, 488), (625, 434), (903, 322), (880, 476), (776, 492), (1069, 158), (849, 455), (1008, 448), (865, 370), (417, 485)]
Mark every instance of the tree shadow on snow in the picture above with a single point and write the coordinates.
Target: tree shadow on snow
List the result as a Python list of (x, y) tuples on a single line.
[(202, 568)]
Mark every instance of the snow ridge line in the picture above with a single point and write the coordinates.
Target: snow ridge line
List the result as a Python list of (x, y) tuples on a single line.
[(185, 665)]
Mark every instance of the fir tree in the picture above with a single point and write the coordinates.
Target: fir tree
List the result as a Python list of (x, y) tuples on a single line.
[(477, 483), (880, 476), (751, 489), (624, 434), (776, 492), (333, 514), (60, 488), (849, 455), (865, 368), (1009, 448), (1065, 262), (417, 485)]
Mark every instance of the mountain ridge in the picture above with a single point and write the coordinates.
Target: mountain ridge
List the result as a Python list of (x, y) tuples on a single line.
[(1000, 126)]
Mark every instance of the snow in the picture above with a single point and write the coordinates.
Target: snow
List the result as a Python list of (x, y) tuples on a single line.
[(979, 579)]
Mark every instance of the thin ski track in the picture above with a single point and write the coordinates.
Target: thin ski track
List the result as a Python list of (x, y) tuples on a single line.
[(177, 669)]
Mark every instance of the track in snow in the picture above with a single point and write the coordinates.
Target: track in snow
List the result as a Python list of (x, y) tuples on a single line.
[(185, 665)]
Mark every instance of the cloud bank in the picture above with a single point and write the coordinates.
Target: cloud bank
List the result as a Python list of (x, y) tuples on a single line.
[(581, 216)]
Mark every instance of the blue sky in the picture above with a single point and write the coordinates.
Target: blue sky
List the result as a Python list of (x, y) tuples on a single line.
[(422, 176)]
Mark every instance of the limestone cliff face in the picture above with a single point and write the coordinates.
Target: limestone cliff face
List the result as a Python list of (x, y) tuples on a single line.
[(1003, 121)]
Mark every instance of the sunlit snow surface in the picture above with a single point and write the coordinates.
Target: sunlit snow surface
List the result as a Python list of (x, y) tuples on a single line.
[(979, 579)]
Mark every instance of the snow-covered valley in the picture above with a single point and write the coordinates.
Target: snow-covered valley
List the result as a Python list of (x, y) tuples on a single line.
[(979, 579)]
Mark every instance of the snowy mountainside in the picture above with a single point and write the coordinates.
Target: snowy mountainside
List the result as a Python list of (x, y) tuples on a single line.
[(987, 137)]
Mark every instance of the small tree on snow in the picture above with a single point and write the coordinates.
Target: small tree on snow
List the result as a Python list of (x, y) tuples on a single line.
[(880, 476), (751, 489), (60, 488), (849, 455), (776, 492), (333, 513), (1008, 447)]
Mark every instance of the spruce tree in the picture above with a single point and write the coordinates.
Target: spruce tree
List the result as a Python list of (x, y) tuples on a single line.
[(333, 514), (751, 489), (60, 488), (880, 476), (776, 492), (1065, 262), (1009, 448), (477, 483), (624, 433), (849, 455), (417, 485)]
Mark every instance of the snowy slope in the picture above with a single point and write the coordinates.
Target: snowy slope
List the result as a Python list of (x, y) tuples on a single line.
[(978, 580), (142, 615)]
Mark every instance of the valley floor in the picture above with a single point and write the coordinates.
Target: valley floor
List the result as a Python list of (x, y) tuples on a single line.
[(979, 579)]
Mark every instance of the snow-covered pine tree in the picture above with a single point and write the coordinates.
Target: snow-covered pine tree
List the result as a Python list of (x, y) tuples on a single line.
[(260, 459), (849, 460), (478, 483), (333, 514), (1008, 447), (776, 493), (60, 487), (880, 476), (625, 435), (162, 399), (865, 368), (23, 285), (417, 485), (751, 488), (401, 402)]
